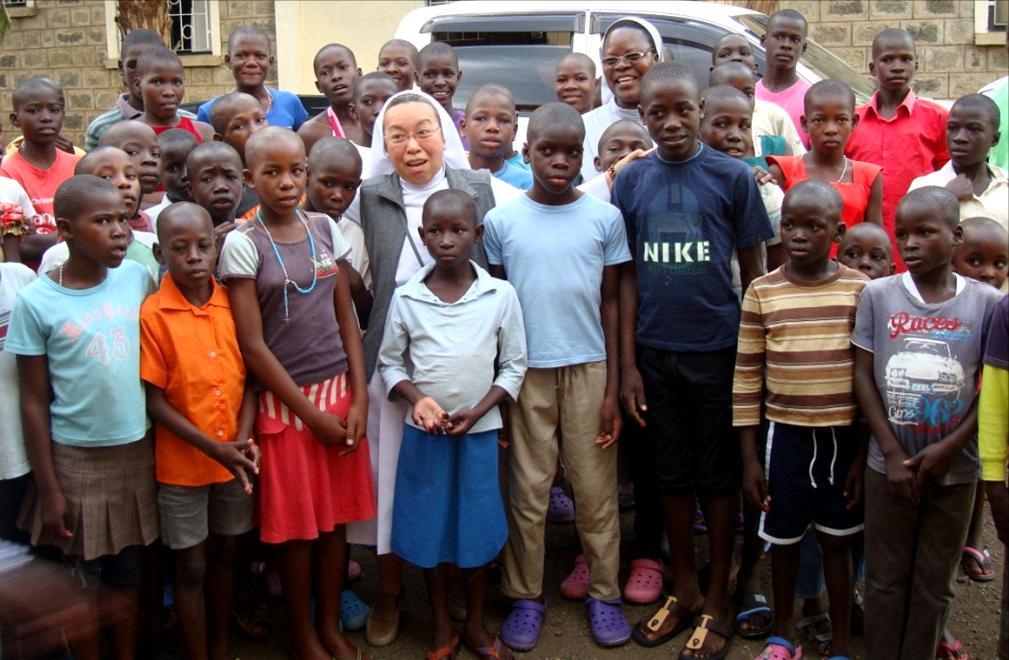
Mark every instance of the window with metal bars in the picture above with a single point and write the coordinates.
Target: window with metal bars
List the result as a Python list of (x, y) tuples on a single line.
[(191, 29)]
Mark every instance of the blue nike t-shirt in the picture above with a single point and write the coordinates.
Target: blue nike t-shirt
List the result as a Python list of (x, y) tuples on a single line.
[(685, 220)]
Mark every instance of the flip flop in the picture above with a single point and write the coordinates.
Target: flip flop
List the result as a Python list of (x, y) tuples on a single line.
[(807, 627), (449, 651), (492, 652), (253, 619), (654, 623), (644, 585), (981, 560), (607, 623), (521, 630), (951, 651), (752, 604), (708, 624)]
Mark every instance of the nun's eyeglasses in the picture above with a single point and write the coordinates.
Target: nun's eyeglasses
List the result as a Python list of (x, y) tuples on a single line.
[(631, 58), (420, 135)]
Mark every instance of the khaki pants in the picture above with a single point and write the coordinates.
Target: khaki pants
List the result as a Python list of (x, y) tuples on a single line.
[(562, 402), (911, 555)]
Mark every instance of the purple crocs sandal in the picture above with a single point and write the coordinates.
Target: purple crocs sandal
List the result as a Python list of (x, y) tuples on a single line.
[(561, 509), (521, 630), (607, 622)]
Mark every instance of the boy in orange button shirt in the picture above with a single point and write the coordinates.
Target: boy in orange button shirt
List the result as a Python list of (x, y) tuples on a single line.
[(204, 411)]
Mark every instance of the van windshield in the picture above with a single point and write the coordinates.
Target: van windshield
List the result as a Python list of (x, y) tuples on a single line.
[(819, 59)]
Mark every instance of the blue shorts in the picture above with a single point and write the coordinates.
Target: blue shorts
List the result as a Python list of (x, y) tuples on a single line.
[(806, 468)]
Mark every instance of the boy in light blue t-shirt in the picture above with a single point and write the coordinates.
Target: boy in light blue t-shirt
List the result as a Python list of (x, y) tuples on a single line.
[(560, 250), (488, 128)]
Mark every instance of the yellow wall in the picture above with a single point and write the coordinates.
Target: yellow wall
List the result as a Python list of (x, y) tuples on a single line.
[(304, 26)]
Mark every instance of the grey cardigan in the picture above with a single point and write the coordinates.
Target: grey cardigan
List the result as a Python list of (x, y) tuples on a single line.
[(383, 219)]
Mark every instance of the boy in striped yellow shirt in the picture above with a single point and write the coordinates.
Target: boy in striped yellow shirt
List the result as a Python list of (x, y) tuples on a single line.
[(795, 361)]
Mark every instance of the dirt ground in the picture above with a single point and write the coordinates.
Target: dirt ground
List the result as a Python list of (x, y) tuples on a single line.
[(566, 635)]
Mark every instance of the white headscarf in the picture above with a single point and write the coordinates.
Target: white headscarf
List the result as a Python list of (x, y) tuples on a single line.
[(455, 155), (634, 21)]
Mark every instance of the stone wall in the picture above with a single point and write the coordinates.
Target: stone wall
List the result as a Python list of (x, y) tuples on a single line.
[(949, 63), (66, 40)]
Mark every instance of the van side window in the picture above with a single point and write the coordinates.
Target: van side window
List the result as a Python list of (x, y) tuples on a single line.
[(519, 52), (689, 42)]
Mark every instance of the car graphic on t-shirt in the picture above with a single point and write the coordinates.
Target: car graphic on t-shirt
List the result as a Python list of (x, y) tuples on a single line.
[(923, 369)]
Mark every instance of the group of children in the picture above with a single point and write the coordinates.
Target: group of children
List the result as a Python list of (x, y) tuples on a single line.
[(209, 275)]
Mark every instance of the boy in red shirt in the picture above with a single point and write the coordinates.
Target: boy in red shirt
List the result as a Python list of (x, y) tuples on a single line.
[(898, 131), (160, 82), (39, 166)]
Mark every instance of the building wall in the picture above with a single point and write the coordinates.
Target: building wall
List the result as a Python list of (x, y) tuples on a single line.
[(66, 40), (305, 26), (950, 64)]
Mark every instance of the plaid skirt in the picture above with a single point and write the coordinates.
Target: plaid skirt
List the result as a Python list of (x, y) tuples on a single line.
[(112, 499)]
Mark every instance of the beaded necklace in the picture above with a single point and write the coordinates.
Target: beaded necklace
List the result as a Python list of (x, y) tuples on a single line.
[(283, 266)]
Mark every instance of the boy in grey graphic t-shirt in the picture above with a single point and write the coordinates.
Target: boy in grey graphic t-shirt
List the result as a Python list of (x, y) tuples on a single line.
[(919, 338)]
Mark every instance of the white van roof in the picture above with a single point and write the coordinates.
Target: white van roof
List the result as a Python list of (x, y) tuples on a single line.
[(412, 24)]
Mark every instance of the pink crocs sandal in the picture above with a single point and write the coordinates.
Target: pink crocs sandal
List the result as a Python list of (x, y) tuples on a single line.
[(576, 585), (644, 586), (353, 570), (777, 648)]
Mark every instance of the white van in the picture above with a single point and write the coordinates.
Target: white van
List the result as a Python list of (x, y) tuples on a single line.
[(518, 44)]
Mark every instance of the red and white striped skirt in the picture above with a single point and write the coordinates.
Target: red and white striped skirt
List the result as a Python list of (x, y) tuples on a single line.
[(306, 488)]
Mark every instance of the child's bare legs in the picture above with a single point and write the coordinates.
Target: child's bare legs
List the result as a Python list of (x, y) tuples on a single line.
[(390, 578), (328, 568), (837, 572), (679, 512), (127, 614), (190, 603), (203, 598), (84, 643), (220, 592), (389, 583), (437, 597), (296, 578), (748, 578), (974, 531), (722, 515), (784, 573), (476, 593)]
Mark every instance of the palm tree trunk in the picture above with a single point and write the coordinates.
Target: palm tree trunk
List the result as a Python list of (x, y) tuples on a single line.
[(149, 14)]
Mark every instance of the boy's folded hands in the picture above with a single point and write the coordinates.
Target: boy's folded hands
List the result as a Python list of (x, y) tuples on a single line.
[(240, 457), (933, 461), (903, 480)]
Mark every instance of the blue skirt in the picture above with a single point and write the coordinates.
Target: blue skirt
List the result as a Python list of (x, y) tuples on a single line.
[(448, 506)]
